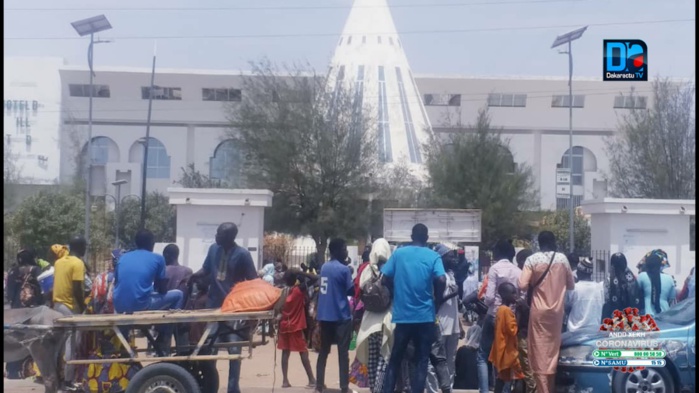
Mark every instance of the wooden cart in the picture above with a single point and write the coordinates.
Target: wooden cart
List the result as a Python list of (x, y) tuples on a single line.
[(193, 368)]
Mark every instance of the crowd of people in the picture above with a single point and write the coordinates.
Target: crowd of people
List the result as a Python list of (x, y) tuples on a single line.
[(402, 310)]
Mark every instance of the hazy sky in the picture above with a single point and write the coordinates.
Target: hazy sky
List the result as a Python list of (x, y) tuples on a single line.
[(466, 37)]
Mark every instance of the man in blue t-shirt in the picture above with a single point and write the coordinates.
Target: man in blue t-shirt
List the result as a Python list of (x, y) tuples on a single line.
[(140, 284), (334, 313), (418, 279)]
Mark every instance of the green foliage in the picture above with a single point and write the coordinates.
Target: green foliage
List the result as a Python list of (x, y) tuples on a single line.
[(475, 170), (654, 153), (310, 146), (192, 178), (161, 218), (558, 222), (55, 216)]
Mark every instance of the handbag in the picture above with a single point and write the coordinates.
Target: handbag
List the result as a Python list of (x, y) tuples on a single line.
[(530, 291)]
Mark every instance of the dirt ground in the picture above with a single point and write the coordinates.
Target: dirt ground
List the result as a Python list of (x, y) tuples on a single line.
[(260, 374)]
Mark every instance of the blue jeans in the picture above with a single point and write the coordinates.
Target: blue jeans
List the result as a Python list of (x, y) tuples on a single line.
[(234, 365), (486, 344), (422, 336), (171, 300)]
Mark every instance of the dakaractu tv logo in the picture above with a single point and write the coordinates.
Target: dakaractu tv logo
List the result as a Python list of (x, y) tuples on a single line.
[(625, 60)]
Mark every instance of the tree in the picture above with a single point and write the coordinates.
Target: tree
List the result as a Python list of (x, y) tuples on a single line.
[(192, 178), (309, 144), (558, 222), (54, 216), (654, 151), (161, 218), (11, 177), (475, 170)]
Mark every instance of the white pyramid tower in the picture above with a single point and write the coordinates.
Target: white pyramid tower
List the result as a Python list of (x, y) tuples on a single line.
[(369, 57)]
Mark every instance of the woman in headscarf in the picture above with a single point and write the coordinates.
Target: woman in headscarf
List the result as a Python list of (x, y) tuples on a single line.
[(664, 263), (658, 289), (375, 335), (620, 287)]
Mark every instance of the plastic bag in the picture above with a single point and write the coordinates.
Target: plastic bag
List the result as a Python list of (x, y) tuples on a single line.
[(473, 337)]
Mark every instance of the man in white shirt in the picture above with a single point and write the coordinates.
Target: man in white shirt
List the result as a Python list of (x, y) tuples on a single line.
[(586, 300)]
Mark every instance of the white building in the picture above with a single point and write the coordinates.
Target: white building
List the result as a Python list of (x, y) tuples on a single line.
[(189, 118), (369, 59), (189, 123), (32, 117)]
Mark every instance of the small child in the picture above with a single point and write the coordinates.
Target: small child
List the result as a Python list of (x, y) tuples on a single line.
[(292, 322), (504, 354)]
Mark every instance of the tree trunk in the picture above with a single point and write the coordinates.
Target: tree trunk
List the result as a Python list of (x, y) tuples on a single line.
[(321, 247)]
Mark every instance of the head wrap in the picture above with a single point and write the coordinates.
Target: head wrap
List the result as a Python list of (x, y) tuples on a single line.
[(585, 266), (660, 254), (379, 250), (59, 251)]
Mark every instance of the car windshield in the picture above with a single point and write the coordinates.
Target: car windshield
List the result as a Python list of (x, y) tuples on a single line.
[(682, 313)]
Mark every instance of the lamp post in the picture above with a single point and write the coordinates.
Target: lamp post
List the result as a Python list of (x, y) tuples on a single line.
[(84, 27), (145, 144), (117, 184), (568, 38)]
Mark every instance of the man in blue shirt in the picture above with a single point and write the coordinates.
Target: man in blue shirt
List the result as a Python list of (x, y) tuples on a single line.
[(140, 284), (227, 264), (334, 313), (418, 278)]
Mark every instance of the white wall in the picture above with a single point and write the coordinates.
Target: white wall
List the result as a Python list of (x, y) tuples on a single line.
[(201, 211), (645, 225), (32, 133)]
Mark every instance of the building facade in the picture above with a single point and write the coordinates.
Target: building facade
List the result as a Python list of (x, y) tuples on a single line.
[(46, 113), (189, 124)]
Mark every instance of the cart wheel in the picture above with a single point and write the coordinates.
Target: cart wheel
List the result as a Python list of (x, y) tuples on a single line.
[(205, 373), (163, 378)]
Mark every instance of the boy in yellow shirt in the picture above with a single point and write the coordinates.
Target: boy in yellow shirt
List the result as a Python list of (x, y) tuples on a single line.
[(69, 295)]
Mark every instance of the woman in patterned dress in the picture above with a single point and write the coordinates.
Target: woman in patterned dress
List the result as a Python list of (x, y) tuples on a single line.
[(620, 287)]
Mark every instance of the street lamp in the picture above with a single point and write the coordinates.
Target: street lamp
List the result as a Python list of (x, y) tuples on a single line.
[(117, 184), (84, 27), (568, 38)]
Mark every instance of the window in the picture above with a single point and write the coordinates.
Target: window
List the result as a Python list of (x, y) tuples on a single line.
[(630, 102), (507, 100), (226, 164), (162, 93), (104, 150), (413, 143), (385, 153), (349, 40), (340, 43), (390, 41), (563, 101), (98, 91), (363, 39), (379, 39), (158, 160), (583, 161), (221, 94), (443, 99)]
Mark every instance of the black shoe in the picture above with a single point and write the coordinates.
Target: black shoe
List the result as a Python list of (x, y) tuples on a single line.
[(71, 387)]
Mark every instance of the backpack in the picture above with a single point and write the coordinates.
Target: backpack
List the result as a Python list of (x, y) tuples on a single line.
[(30, 290), (375, 296)]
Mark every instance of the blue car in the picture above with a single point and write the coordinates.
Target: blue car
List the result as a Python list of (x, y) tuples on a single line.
[(577, 374)]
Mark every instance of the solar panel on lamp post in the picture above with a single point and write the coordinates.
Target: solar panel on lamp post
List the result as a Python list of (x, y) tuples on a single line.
[(84, 27), (568, 38)]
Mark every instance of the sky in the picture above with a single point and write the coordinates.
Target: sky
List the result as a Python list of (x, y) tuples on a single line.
[(440, 37)]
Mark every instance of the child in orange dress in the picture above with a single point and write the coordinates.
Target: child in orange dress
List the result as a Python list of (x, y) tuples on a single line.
[(505, 355), (292, 322)]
